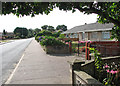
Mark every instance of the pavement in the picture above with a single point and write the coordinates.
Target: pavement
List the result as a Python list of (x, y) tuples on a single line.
[(37, 67)]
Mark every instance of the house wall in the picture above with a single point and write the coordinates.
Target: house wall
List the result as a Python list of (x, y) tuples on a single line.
[(72, 38), (80, 36), (94, 36)]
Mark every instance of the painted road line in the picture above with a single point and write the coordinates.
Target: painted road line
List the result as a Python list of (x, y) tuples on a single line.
[(10, 77)]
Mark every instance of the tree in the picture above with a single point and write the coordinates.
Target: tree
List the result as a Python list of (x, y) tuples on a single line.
[(61, 27), (4, 32), (30, 32), (21, 32), (108, 12), (51, 28), (44, 27), (37, 30)]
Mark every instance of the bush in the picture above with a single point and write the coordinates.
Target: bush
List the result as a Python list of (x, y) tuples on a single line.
[(56, 34), (51, 41), (37, 38), (112, 74), (62, 36), (17, 37)]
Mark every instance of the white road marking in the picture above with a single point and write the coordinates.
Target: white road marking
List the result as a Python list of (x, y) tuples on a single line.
[(10, 77)]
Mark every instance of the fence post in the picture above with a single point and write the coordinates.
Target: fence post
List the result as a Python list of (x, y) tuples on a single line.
[(89, 57), (70, 47), (86, 51), (78, 48)]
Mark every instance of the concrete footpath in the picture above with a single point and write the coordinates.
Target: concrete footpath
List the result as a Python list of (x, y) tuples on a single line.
[(36, 67)]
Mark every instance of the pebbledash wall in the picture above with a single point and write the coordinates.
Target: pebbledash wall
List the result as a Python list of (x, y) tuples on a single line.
[(83, 73)]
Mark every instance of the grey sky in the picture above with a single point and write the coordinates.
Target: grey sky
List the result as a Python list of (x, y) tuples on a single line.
[(56, 17)]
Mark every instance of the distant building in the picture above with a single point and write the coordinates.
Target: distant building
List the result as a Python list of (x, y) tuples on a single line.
[(8, 34), (92, 32), (0, 35)]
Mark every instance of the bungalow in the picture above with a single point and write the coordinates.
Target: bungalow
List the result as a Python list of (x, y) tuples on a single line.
[(92, 32)]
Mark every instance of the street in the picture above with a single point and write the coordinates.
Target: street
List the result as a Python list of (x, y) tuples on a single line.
[(11, 53)]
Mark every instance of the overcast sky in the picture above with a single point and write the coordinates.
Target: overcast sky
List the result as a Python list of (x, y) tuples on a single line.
[(56, 17)]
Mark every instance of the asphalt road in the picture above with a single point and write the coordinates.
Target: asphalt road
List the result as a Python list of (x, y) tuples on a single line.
[(11, 53)]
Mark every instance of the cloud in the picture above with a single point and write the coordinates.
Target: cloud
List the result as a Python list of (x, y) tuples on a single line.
[(56, 17)]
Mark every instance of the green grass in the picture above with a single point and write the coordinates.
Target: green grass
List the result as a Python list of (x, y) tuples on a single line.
[(3, 40)]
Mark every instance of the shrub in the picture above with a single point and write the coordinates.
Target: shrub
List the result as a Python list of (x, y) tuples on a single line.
[(50, 41), (112, 74), (56, 34), (46, 33), (37, 38), (62, 36)]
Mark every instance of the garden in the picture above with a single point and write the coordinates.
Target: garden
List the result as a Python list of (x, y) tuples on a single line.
[(51, 43), (107, 72)]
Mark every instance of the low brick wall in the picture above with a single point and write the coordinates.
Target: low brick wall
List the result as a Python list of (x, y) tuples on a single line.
[(57, 49)]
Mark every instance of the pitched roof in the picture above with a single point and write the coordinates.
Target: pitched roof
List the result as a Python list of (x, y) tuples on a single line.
[(90, 27)]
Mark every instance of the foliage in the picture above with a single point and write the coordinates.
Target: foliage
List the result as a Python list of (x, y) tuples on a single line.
[(56, 34), (116, 33), (112, 73), (21, 32), (61, 27), (98, 62), (50, 41), (37, 30), (30, 33), (4, 32), (44, 27), (16, 37), (62, 36), (51, 28), (37, 38), (44, 33), (108, 12)]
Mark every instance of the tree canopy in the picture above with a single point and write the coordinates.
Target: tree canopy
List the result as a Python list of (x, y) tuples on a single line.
[(37, 30), (51, 28), (48, 27), (4, 32), (108, 12), (44, 27), (30, 33), (21, 32), (61, 27)]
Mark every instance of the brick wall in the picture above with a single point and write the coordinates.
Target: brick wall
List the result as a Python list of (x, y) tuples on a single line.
[(57, 49)]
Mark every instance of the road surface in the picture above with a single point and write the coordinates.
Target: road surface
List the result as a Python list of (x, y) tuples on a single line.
[(10, 55)]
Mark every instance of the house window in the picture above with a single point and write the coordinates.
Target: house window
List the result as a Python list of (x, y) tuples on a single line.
[(67, 36), (94, 35), (75, 35), (71, 35), (106, 35), (83, 35)]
